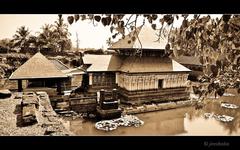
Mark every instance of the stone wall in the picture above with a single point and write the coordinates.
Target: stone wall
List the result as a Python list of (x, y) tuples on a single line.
[(76, 80), (153, 96), (141, 81)]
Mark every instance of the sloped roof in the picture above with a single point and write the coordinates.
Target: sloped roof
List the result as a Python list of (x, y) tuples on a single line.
[(74, 71), (59, 64), (102, 62), (37, 67), (188, 60), (151, 64), (132, 64), (147, 37)]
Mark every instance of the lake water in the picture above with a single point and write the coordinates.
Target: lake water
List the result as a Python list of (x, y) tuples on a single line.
[(181, 121)]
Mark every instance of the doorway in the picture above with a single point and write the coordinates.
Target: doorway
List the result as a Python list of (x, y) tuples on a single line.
[(160, 83)]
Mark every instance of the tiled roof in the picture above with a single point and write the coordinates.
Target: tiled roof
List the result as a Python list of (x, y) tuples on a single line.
[(147, 37), (132, 64), (102, 62), (36, 67)]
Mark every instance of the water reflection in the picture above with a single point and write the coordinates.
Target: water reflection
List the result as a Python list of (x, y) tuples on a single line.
[(195, 123), (181, 121)]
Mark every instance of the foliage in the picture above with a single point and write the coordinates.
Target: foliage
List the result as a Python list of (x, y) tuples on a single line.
[(5, 45), (21, 37), (215, 40), (54, 37), (98, 51), (61, 35)]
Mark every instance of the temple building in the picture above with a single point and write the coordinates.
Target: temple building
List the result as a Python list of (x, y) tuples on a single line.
[(193, 63), (40, 73), (149, 77)]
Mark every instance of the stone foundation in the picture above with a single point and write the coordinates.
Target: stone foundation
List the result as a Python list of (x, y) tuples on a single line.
[(153, 96)]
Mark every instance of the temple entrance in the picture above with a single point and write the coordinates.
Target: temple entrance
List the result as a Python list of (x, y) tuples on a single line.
[(160, 83)]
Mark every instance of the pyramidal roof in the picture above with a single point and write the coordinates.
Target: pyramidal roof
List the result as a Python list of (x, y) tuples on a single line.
[(147, 39), (37, 67)]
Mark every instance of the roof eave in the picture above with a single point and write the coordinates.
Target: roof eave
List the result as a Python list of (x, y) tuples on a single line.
[(26, 78)]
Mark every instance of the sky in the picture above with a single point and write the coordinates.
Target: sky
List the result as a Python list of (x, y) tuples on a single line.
[(89, 36)]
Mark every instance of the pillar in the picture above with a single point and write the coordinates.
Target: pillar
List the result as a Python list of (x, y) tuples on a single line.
[(20, 86), (59, 91), (90, 78), (114, 94), (117, 77), (102, 97)]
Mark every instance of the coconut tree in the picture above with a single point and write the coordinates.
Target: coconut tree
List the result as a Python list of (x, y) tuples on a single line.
[(46, 37), (61, 34), (21, 38)]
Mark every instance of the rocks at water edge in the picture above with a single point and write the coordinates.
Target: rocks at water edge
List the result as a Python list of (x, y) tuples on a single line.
[(223, 118), (127, 121), (228, 105)]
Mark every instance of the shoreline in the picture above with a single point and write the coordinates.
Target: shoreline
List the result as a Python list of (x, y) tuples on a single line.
[(157, 107)]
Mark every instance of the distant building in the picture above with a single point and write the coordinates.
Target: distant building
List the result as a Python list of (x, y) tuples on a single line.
[(193, 63)]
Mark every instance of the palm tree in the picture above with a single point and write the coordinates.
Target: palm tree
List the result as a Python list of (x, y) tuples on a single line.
[(61, 33), (21, 38), (46, 37)]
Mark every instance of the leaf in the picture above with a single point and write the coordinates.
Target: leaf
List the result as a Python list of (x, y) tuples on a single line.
[(120, 16), (210, 87), (60, 16), (184, 16), (104, 21), (220, 91), (154, 17), (76, 17), (109, 19), (90, 16), (167, 47), (184, 23), (195, 16), (146, 15), (121, 24), (111, 29), (114, 20), (161, 20), (214, 70), (97, 18), (83, 17), (170, 21), (70, 19), (149, 19), (154, 26), (133, 38), (177, 17), (132, 28), (225, 28), (219, 63), (226, 18)]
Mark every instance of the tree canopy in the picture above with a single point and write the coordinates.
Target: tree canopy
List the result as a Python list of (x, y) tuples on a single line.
[(214, 40)]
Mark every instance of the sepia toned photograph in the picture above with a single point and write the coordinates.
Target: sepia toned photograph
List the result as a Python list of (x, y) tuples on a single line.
[(119, 75)]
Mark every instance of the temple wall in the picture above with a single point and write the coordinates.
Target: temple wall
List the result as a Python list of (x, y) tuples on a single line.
[(132, 82)]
